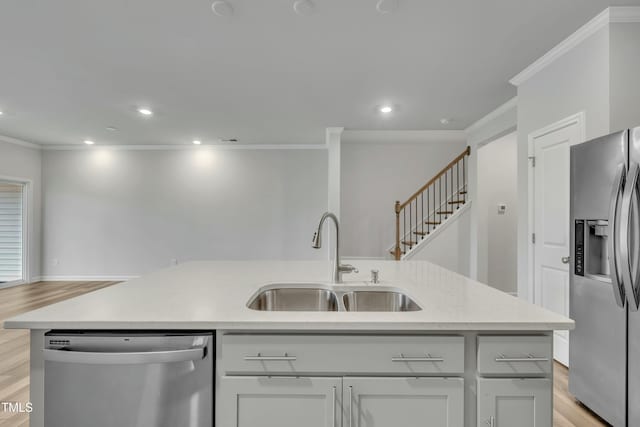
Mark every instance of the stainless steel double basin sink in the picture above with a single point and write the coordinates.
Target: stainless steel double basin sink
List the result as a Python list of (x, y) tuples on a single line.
[(320, 297)]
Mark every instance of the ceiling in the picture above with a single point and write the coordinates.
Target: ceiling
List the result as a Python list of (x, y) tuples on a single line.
[(71, 68)]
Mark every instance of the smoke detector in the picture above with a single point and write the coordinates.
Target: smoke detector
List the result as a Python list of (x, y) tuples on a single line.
[(222, 8), (386, 6), (303, 7)]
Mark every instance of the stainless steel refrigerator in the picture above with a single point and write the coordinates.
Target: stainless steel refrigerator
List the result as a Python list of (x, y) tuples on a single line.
[(604, 348)]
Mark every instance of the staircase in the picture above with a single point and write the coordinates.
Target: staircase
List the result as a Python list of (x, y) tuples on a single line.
[(431, 206)]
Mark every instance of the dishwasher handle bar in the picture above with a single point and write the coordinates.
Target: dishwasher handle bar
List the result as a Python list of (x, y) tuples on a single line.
[(131, 358)]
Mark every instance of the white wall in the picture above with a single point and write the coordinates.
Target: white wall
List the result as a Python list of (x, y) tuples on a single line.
[(24, 163), (497, 238), (378, 168), (450, 247), (122, 212), (577, 81), (625, 63)]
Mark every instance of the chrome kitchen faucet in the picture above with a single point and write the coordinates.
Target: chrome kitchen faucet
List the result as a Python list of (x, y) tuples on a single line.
[(338, 269)]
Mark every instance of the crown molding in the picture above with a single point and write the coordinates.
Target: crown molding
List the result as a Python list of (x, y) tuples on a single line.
[(504, 108), (402, 136), (610, 15), (624, 14), (78, 147), (20, 142), (335, 130)]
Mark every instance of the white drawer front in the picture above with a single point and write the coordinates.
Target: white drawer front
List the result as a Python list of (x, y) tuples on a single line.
[(514, 355), (300, 354)]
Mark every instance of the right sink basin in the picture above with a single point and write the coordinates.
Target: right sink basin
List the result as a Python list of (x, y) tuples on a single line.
[(378, 300)]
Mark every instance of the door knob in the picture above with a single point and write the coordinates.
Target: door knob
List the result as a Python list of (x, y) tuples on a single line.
[(566, 259)]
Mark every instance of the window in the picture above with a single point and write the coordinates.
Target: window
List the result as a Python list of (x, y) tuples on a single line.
[(11, 232)]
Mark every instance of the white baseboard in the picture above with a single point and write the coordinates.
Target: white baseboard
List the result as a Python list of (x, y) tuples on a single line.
[(11, 284), (82, 278)]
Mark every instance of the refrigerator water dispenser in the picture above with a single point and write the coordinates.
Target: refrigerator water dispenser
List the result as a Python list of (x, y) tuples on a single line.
[(592, 250)]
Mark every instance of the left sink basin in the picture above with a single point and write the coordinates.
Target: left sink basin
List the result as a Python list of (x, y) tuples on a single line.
[(294, 299)]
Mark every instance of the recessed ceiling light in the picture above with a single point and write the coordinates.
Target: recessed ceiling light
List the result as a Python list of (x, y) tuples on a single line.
[(89, 142), (145, 111), (445, 121), (386, 109), (111, 128), (197, 142), (1, 113), (222, 8)]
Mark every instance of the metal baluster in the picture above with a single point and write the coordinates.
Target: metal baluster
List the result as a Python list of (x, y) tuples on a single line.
[(416, 220), (464, 177), (446, 196), (404, 228), (410, 224), (429, 191), (458, 179), (451, 194), (440, 198), (422, 213)]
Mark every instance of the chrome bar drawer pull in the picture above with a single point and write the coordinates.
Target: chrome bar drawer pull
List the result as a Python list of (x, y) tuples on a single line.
[(260, 357), (426, 358), (333, 406), (529, 358)]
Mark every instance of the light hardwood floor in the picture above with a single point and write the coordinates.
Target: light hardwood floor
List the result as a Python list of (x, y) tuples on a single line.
[(14, 354), (14, 344)]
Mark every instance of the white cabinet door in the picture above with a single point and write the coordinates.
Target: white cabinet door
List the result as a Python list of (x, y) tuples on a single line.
[(405, 402), (515, 402), (279, 402)]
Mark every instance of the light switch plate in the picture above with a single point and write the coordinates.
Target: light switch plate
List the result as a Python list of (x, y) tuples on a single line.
[(502, 208)]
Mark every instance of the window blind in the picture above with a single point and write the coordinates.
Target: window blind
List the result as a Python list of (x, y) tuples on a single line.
[(11, 207)]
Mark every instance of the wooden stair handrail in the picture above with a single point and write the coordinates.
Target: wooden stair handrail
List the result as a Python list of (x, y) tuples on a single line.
[(400, 206), (403, 240)]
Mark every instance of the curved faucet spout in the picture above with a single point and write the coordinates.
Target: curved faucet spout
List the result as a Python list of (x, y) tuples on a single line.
[(338, 269)]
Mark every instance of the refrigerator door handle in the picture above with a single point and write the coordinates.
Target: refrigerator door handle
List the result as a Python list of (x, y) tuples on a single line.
[(630, 235), (614, 258)]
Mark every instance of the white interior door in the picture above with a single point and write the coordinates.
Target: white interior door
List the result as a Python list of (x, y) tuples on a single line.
[(551, 224)]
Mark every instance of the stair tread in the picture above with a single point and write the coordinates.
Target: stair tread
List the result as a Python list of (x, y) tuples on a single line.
[(456, 202), (444, 212), (394, 252), (409, 242), (421, 233), (462, 192), (433, 222)]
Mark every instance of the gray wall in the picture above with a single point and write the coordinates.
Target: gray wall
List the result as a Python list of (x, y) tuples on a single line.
[(496, 124), (26, 163), (577, 81), (497, 239), (624, 85), (121, 213), (379, 168)]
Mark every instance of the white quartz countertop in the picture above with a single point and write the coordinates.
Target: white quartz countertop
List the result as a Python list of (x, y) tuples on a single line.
[(214, 294)]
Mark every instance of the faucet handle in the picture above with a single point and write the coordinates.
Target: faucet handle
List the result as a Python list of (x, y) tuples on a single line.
[(348, 268), (375, 277)]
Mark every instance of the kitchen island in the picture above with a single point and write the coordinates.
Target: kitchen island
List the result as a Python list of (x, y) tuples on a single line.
[(469, 356)]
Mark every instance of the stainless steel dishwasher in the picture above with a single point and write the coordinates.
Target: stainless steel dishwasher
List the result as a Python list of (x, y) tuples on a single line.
[(102, 379)]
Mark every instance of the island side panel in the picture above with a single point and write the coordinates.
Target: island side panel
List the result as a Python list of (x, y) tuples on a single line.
[(36, 378)]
